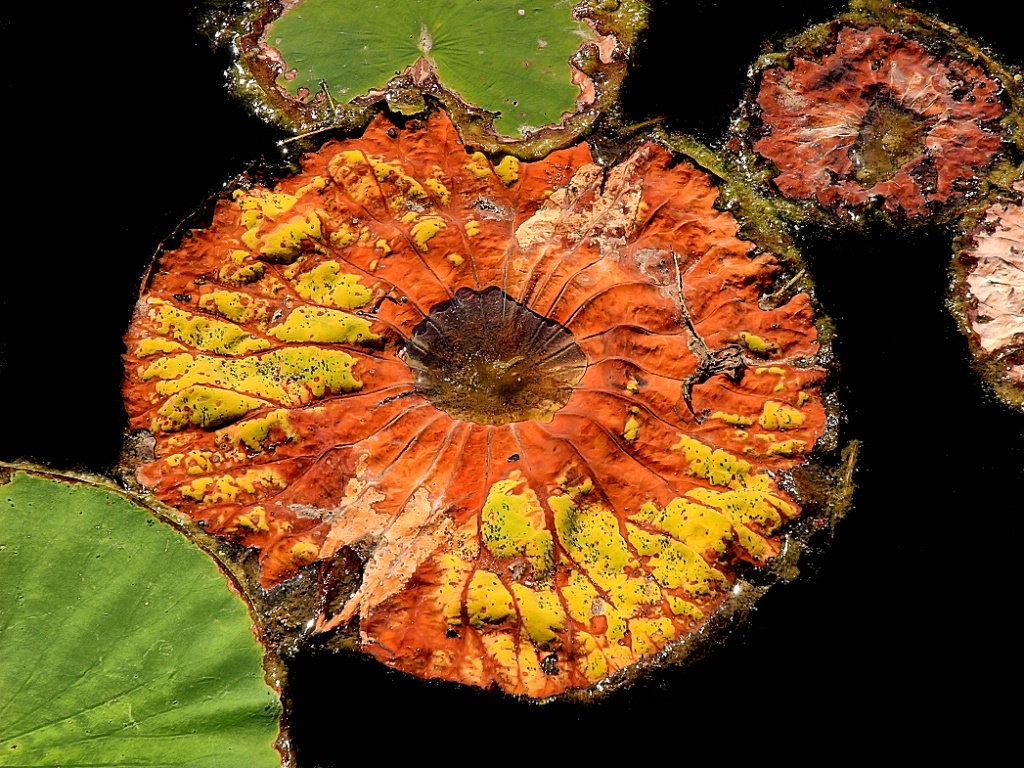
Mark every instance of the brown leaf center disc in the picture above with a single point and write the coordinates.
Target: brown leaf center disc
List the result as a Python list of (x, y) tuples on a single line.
[(484, 358), (889, 139)]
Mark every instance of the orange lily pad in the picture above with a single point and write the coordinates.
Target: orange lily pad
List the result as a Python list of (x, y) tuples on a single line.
[(531, 425)]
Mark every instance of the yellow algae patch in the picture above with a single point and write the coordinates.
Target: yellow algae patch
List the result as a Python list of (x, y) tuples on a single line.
[(237, 307), (787, 448), (316, 184), (747, 506), (167, 367), (393, 171), (455, 259), (584, 604), (742, 507), (203, 333), (303, 553), (577, 490), (513, 524), (591, 662), (254, 520), (695, 525), (454, 567), (259, 204), (581, 598), (775, 371), (223, 488), (283, 243), (733, 419), (680, 607), (632, 386), (327, 284), (448, 596), (243, 275), (343, 236), (255, 433), (478, 165), (631, 431), (199, 462), (590, 536), (718, 467), (351, 169), (780, 416), (541, 614), (472, 228), (147, 347), (757, 345), (439, 190), (650, 635), (288, 376), (487, 600), (534, 680), (205, 407), (327, 326), (507, 170), (674, 564), (424, 229), (501, 649)]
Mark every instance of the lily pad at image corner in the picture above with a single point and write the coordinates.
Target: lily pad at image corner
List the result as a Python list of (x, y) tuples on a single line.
[(526, 78), (120, 642)]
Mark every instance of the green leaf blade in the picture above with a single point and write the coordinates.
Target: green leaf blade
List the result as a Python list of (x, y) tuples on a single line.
[(119, 641), (353, 47), (500, 55)]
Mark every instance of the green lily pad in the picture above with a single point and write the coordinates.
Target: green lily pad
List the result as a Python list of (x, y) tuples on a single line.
[(516, 77), (120, 643), (506, 59)]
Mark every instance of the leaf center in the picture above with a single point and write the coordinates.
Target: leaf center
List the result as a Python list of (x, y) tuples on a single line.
[(890, 137), (485, 358)]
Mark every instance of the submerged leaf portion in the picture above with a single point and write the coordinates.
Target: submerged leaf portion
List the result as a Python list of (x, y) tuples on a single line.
[(542, 403), (120, 640), (508, 71)]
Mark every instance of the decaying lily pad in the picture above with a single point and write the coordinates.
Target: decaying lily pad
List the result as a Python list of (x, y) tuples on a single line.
[(883, 113), (120, 643), (531, 425), (988, 294), (523, 78)]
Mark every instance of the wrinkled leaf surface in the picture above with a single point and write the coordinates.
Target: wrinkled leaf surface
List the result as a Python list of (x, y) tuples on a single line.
[(503, 56), (540, 403)]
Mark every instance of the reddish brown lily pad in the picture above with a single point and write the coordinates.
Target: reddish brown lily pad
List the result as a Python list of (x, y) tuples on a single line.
[(541, 419), (897, 116)]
